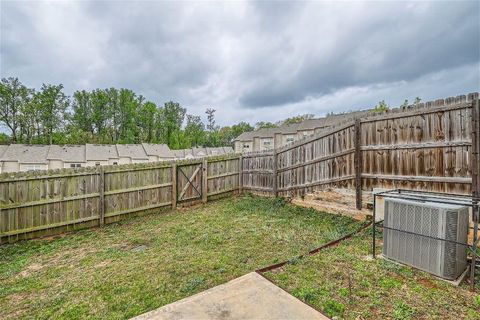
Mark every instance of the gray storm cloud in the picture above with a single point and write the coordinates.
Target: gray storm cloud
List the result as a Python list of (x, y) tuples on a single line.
[(244, 57)]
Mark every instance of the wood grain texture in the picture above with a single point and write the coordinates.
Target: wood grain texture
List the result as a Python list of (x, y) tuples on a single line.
[(37, 204)]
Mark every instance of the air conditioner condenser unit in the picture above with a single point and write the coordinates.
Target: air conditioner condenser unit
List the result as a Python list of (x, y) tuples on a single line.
[(413, 232)]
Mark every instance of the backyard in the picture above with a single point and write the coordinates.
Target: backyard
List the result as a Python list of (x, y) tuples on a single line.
[(128, 268), (140, 264), (345, 283)]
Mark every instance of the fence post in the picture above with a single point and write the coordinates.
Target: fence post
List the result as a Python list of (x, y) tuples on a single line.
[(240, 175), (101, 192), (174, 186), (274, 173), (358, 164), (475, 155), (204, 180)]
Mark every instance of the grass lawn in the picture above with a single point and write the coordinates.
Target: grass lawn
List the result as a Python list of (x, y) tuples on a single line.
[(140, 264), (342, 283)]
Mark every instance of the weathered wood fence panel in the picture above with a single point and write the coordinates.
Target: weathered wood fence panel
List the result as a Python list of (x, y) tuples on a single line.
[(223, 176), (426, 147), (257, 173), (325, 160), (34, 204), (427, 150), (136, 189)]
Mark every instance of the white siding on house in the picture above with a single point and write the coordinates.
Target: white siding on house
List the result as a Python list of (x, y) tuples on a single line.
[(33, 166), (266, 144), (10, 166)]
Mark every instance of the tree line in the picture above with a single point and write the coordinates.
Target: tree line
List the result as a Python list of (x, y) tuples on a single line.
[(49, 116)]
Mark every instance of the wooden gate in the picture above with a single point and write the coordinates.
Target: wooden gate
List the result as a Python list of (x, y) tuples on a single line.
[(189, 182)]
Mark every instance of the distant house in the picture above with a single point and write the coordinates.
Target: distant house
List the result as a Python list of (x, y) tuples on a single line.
[(269, 138), (158, 152), (101, 155), (68, 156), (131, 153), (21, 157)]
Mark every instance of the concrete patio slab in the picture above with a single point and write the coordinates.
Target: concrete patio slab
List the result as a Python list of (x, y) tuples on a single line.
[(248, 297)]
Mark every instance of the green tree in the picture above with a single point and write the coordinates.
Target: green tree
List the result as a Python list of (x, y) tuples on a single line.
[(212, 135), (52, 103), (381, 107), (170, 122), (194, 131), (128, 105), (241, 127), (146, 118), (82, 111), (417, 101), (30, 121), (100, 113), (13, 96), (297, 119), (263, 124)]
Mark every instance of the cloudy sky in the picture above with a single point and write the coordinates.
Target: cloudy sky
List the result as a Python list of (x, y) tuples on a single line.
[(251, 61)]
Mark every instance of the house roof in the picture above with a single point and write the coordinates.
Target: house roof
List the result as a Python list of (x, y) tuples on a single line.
[(288, 128), (200, 152), (160, 150), (3, 148), (228, 150), (68, 153), (100, 152), (245, 136), (134, 151), (24, 153), (311, 124), (179, 153)]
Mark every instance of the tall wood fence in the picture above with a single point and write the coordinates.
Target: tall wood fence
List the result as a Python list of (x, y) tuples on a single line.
[(433, 147), (34, 204), (428, 147)]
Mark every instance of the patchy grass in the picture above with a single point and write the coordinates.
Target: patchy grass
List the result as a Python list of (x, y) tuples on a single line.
[(128, 268), (343, 283)]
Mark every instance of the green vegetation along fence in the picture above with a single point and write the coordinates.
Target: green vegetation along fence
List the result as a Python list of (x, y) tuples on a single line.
[(34, 204)]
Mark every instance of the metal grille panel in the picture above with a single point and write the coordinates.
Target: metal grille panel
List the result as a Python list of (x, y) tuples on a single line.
[(416, 230)]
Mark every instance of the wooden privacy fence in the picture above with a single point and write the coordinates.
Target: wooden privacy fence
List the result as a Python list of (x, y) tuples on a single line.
[(36, 204), (433, 147), (428, 147)]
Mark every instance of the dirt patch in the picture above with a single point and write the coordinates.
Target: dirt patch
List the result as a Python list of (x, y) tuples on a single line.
[(336, 201), (427, 283), (103, 263), (30, 269)]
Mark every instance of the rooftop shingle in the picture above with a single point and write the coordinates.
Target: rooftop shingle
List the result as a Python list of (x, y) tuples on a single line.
[(101, 152), (160, 150), (133, 151), (24, 153), (68, 153)]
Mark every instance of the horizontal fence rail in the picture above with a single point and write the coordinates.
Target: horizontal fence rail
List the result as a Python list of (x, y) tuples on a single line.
[(426, 148), (34, 204)]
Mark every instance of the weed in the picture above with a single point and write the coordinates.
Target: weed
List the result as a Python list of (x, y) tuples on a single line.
[(306, 294), (193, 284), (389, 283), (333, 308), (402, 311)]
